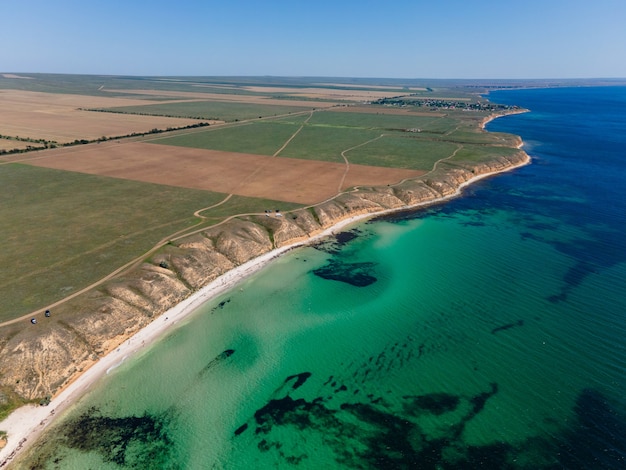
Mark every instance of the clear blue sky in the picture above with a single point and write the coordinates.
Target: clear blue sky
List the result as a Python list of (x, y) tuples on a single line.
[(403, 39)]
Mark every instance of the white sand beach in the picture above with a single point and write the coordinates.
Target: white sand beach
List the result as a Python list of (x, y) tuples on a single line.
[(25, 424)]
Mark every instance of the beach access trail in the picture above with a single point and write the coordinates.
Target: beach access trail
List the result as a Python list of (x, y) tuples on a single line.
[(25, 424)]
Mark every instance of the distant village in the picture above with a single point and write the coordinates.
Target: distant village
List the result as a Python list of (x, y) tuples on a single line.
[(442, 103)]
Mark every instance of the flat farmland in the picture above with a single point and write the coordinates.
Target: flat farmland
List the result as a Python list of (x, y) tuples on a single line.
[(331, 92), (392, 140), (63, 230), (398, 151), (319, 142), (374, 121), (228, 111), (57, 117), (380, 109), (259, 138), (234, 97), (281, 179)]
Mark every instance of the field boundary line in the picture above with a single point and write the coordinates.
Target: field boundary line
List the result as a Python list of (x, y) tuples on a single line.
[(293, 135), (345, 159)]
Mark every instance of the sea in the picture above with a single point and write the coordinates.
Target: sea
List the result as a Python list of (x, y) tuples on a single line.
[(485, 332)]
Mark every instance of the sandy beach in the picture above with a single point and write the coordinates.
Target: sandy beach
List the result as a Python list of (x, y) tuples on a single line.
[(25, 424)]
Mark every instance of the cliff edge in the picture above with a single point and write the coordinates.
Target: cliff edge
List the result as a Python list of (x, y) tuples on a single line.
[(37, 362)]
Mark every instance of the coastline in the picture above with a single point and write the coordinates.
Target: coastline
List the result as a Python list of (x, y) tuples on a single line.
[(25, 424)]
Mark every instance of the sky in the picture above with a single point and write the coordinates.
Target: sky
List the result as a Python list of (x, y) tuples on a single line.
[(492, 39)]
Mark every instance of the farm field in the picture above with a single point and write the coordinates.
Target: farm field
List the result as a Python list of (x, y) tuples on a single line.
[(260, 138), (95, 203), (213, 110), (393, 140), (279, 179), (272, 95), (57, 117), (64, 230)]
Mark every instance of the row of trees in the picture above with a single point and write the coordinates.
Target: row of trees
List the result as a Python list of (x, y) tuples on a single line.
[(117, 111), (53, 144)]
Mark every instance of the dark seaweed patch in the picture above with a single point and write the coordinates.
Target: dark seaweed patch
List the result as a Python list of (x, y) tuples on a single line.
[(345, 237), (241, 429), (132, 441), (478, 402), (287, 411), (355, 274), (373, 435), (300, 379), (434, 403), (220, 306), (376, 434), (508, 326), (598, 439), (333, 245), (218, 359)]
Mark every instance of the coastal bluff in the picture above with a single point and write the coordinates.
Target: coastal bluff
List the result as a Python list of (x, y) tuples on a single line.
[(36, 363)]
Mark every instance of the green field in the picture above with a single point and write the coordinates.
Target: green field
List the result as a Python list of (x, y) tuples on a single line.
[(214, 110), (247, 205), (366, 138), (477, 153), (62, 231), (260, 138), (326, 143), (402, 152), (383, 122)]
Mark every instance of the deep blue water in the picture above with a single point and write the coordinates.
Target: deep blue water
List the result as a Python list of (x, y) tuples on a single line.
[(577, 137), (486, 332)]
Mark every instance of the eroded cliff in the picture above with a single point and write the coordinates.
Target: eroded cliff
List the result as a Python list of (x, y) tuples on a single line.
[(37, 362)]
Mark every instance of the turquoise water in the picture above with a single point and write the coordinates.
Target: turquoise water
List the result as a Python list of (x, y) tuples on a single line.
[(484, 333)]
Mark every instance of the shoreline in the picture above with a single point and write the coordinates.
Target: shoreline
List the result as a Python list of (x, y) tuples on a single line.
[(24, 425)]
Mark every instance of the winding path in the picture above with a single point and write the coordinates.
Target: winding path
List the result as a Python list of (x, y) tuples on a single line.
[(198, 213)]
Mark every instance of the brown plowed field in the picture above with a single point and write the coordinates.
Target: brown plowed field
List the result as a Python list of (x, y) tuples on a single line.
[(283, 179), (56, 117)]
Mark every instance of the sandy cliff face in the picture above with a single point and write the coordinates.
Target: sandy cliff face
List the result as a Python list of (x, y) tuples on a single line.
[(37, 362)]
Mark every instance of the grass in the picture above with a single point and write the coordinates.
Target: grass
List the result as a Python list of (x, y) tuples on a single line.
[(366, 138), (371, 120), (8, 402), (477, 153), (402, 152), (248, 205), (260, 138), (326, 143), (62, 231), (217, 110)]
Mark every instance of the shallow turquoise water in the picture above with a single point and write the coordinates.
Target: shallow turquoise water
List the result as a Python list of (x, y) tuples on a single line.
[(485, 333)]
